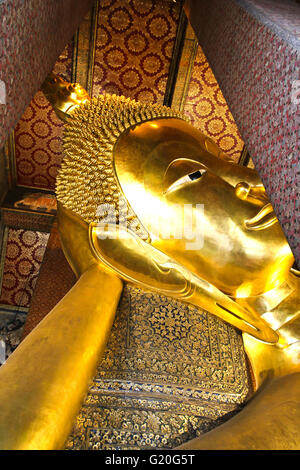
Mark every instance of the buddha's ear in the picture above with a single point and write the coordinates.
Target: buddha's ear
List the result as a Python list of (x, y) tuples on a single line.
[(138, 262)]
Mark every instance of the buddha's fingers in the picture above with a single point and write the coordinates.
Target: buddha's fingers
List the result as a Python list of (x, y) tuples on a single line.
[(228, 310)]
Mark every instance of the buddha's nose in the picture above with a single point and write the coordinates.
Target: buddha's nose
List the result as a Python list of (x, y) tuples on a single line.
[(254, 194)]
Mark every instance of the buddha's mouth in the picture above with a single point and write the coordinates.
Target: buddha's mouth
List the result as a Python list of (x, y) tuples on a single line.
[(265, 218)]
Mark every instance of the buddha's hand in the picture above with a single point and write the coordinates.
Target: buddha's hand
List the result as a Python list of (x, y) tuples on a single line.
[(137, 261)]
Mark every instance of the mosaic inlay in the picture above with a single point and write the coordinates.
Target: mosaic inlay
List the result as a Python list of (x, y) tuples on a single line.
[(170, 372)]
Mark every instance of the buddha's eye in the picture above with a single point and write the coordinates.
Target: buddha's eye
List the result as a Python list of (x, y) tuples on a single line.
[(186, 179), (196, 175)]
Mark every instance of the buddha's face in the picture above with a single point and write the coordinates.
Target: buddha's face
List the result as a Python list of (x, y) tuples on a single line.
[(65, 97), (221, 224)]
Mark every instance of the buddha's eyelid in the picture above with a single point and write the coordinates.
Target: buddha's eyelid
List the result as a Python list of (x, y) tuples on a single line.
[(182, 179), (200, 170)]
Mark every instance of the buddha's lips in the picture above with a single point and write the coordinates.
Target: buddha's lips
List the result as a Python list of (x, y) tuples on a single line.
[(266, 217)]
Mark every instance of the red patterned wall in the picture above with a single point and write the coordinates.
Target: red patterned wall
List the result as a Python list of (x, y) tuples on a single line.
[(38, 144), (208, 110), (134, 46), (23, 255)]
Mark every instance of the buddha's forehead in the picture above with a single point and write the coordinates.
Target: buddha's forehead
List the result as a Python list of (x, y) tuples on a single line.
[(147, 151), (163, 149), (160, 141)]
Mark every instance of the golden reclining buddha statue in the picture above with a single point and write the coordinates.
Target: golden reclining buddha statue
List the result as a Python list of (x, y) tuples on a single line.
[(145, 198)]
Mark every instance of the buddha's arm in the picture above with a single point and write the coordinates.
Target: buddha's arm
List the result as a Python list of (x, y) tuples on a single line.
[(44, 381)]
